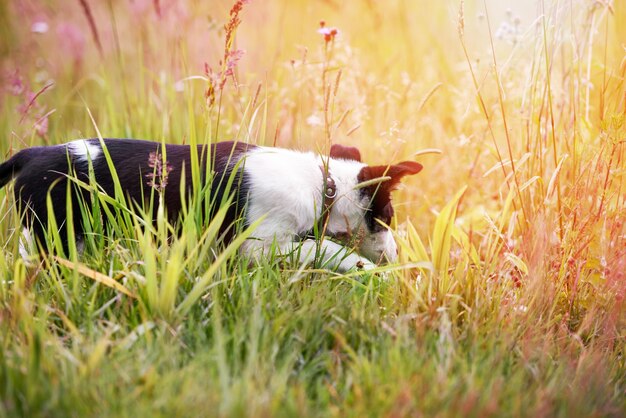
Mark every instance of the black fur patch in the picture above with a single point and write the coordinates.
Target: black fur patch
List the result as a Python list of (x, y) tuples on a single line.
[(42, 169), (379, 202)]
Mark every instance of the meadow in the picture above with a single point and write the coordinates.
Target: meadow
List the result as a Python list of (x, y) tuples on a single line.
[(508, 297)]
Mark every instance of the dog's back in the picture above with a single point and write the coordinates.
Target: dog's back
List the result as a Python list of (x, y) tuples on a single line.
[(141, 164)]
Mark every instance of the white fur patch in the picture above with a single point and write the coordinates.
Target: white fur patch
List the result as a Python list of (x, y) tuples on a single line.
[(26, 245), (286, 187), (83, 150)]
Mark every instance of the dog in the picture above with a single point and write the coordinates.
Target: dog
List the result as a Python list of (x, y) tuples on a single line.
[(334, 207)]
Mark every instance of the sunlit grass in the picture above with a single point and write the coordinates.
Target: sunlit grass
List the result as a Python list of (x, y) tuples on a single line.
[(508, 297)]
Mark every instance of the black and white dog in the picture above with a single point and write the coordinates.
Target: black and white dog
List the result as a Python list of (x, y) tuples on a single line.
[(296, 192)]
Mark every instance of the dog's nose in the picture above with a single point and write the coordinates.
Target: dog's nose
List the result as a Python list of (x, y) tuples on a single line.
[(392, 256)]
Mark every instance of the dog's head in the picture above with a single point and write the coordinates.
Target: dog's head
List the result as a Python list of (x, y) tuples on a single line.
[(364, 208)]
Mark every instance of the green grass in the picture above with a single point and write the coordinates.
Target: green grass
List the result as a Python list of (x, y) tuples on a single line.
[(508, 299)]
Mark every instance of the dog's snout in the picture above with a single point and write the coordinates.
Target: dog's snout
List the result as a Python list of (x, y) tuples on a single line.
[(380, 246), (392, 253), (391, 248)]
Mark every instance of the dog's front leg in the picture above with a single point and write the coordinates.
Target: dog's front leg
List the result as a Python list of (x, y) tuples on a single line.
[(332, 256)]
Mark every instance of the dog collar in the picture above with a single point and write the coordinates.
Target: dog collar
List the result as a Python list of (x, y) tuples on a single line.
[(330, 192)]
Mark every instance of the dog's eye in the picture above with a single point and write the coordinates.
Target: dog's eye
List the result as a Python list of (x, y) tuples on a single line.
[(387, 213), (379, 210), (378, 227), (384, 216)]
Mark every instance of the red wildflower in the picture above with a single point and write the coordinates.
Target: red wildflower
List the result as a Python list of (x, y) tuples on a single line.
[(329, 33)]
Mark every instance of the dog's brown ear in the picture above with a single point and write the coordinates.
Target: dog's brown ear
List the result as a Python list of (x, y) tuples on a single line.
[(380, 191), (345, 153), (395, 171), (405, 168)]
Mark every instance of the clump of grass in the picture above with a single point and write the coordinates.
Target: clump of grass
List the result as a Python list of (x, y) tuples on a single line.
[(508, 297)]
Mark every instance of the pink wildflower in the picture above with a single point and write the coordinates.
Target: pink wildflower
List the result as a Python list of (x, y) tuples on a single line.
[(158, 177), (231, 62), (39, 27), (15, 86), (329, 33)]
